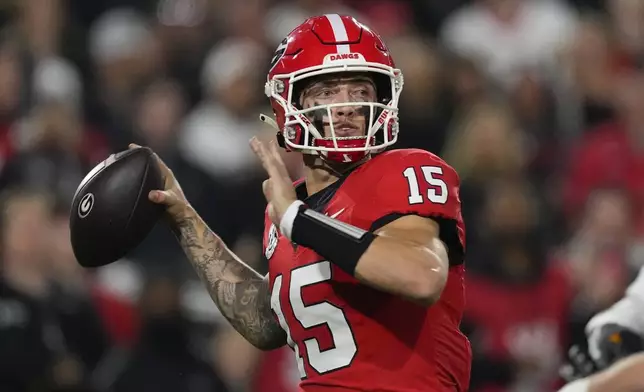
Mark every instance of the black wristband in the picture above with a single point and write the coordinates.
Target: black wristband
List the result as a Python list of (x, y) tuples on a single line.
[(339, 242)]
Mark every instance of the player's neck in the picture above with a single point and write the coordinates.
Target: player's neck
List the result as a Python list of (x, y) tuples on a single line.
[(320, 174), (318, 178)]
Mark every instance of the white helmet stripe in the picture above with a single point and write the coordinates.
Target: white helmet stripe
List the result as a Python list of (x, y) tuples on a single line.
[(339, 31)]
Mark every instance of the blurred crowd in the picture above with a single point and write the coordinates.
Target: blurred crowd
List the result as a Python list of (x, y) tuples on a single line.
[(538, 104)]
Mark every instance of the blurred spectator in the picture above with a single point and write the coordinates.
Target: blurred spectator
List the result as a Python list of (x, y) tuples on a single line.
[(40, 26), (12, 92), (76, 285), (25, 356), (593, 64), (55, 152), (429, 15), (165, 358), (485, 145), (237, 360), (216, 133), (125, 54), (186, 30), (508, 37), (277, 372), (51, 338), (535, 111), (245, 20), (628, 24), (11, 86), (602, 256), (467, 84), (518, 302), (610, 155), (425, 113), (390, 18), (115, 289)]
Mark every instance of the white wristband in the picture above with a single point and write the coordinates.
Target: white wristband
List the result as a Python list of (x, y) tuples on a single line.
[(286, 224), (580, 385)]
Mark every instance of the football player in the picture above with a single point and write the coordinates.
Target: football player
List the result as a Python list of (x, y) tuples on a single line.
[(365, 253), (613, 334), (617, 332)]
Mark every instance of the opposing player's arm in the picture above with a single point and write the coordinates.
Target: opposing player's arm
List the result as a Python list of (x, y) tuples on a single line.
[(241, 294), (625, 313), (624, 376)]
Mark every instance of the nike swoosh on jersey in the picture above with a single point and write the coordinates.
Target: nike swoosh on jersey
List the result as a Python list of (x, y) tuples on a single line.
[(336, 214)]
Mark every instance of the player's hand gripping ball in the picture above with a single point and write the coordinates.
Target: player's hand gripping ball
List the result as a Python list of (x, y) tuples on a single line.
[(278, 189), (169, 193)]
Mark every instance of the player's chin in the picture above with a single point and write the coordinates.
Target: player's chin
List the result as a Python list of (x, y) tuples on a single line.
[(345, 132)]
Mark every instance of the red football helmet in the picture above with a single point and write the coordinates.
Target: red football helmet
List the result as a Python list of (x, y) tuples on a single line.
[(331, 44)]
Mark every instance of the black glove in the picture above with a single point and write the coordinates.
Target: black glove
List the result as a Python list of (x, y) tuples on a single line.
[(579, 364), (613, 342)]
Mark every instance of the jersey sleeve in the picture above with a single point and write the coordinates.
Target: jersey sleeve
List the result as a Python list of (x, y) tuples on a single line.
[(420, 183)]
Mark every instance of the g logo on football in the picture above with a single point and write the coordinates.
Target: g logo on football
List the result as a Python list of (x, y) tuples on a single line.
[(271, 243), (85, 205)]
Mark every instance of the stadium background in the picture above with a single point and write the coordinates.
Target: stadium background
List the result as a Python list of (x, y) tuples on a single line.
[(539, 105)]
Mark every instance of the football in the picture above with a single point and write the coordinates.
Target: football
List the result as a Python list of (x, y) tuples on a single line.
[(111, 213)]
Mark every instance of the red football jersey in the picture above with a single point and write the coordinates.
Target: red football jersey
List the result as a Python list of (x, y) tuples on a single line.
[(348, 336)]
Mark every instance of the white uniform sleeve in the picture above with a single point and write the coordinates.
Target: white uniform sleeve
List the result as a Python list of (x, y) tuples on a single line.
[(576, 386), (627, 312)]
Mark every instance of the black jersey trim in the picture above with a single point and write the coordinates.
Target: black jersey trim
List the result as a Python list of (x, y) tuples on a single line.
[(448, 233)]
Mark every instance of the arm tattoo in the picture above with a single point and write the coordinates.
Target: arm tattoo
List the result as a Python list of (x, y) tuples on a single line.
[(247, 306), (240, 293)]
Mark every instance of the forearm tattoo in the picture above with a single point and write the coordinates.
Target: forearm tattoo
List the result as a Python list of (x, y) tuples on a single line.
[(240, 293)]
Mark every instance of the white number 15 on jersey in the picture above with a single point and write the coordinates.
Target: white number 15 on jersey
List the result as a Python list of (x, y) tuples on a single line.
[(344, 345)]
